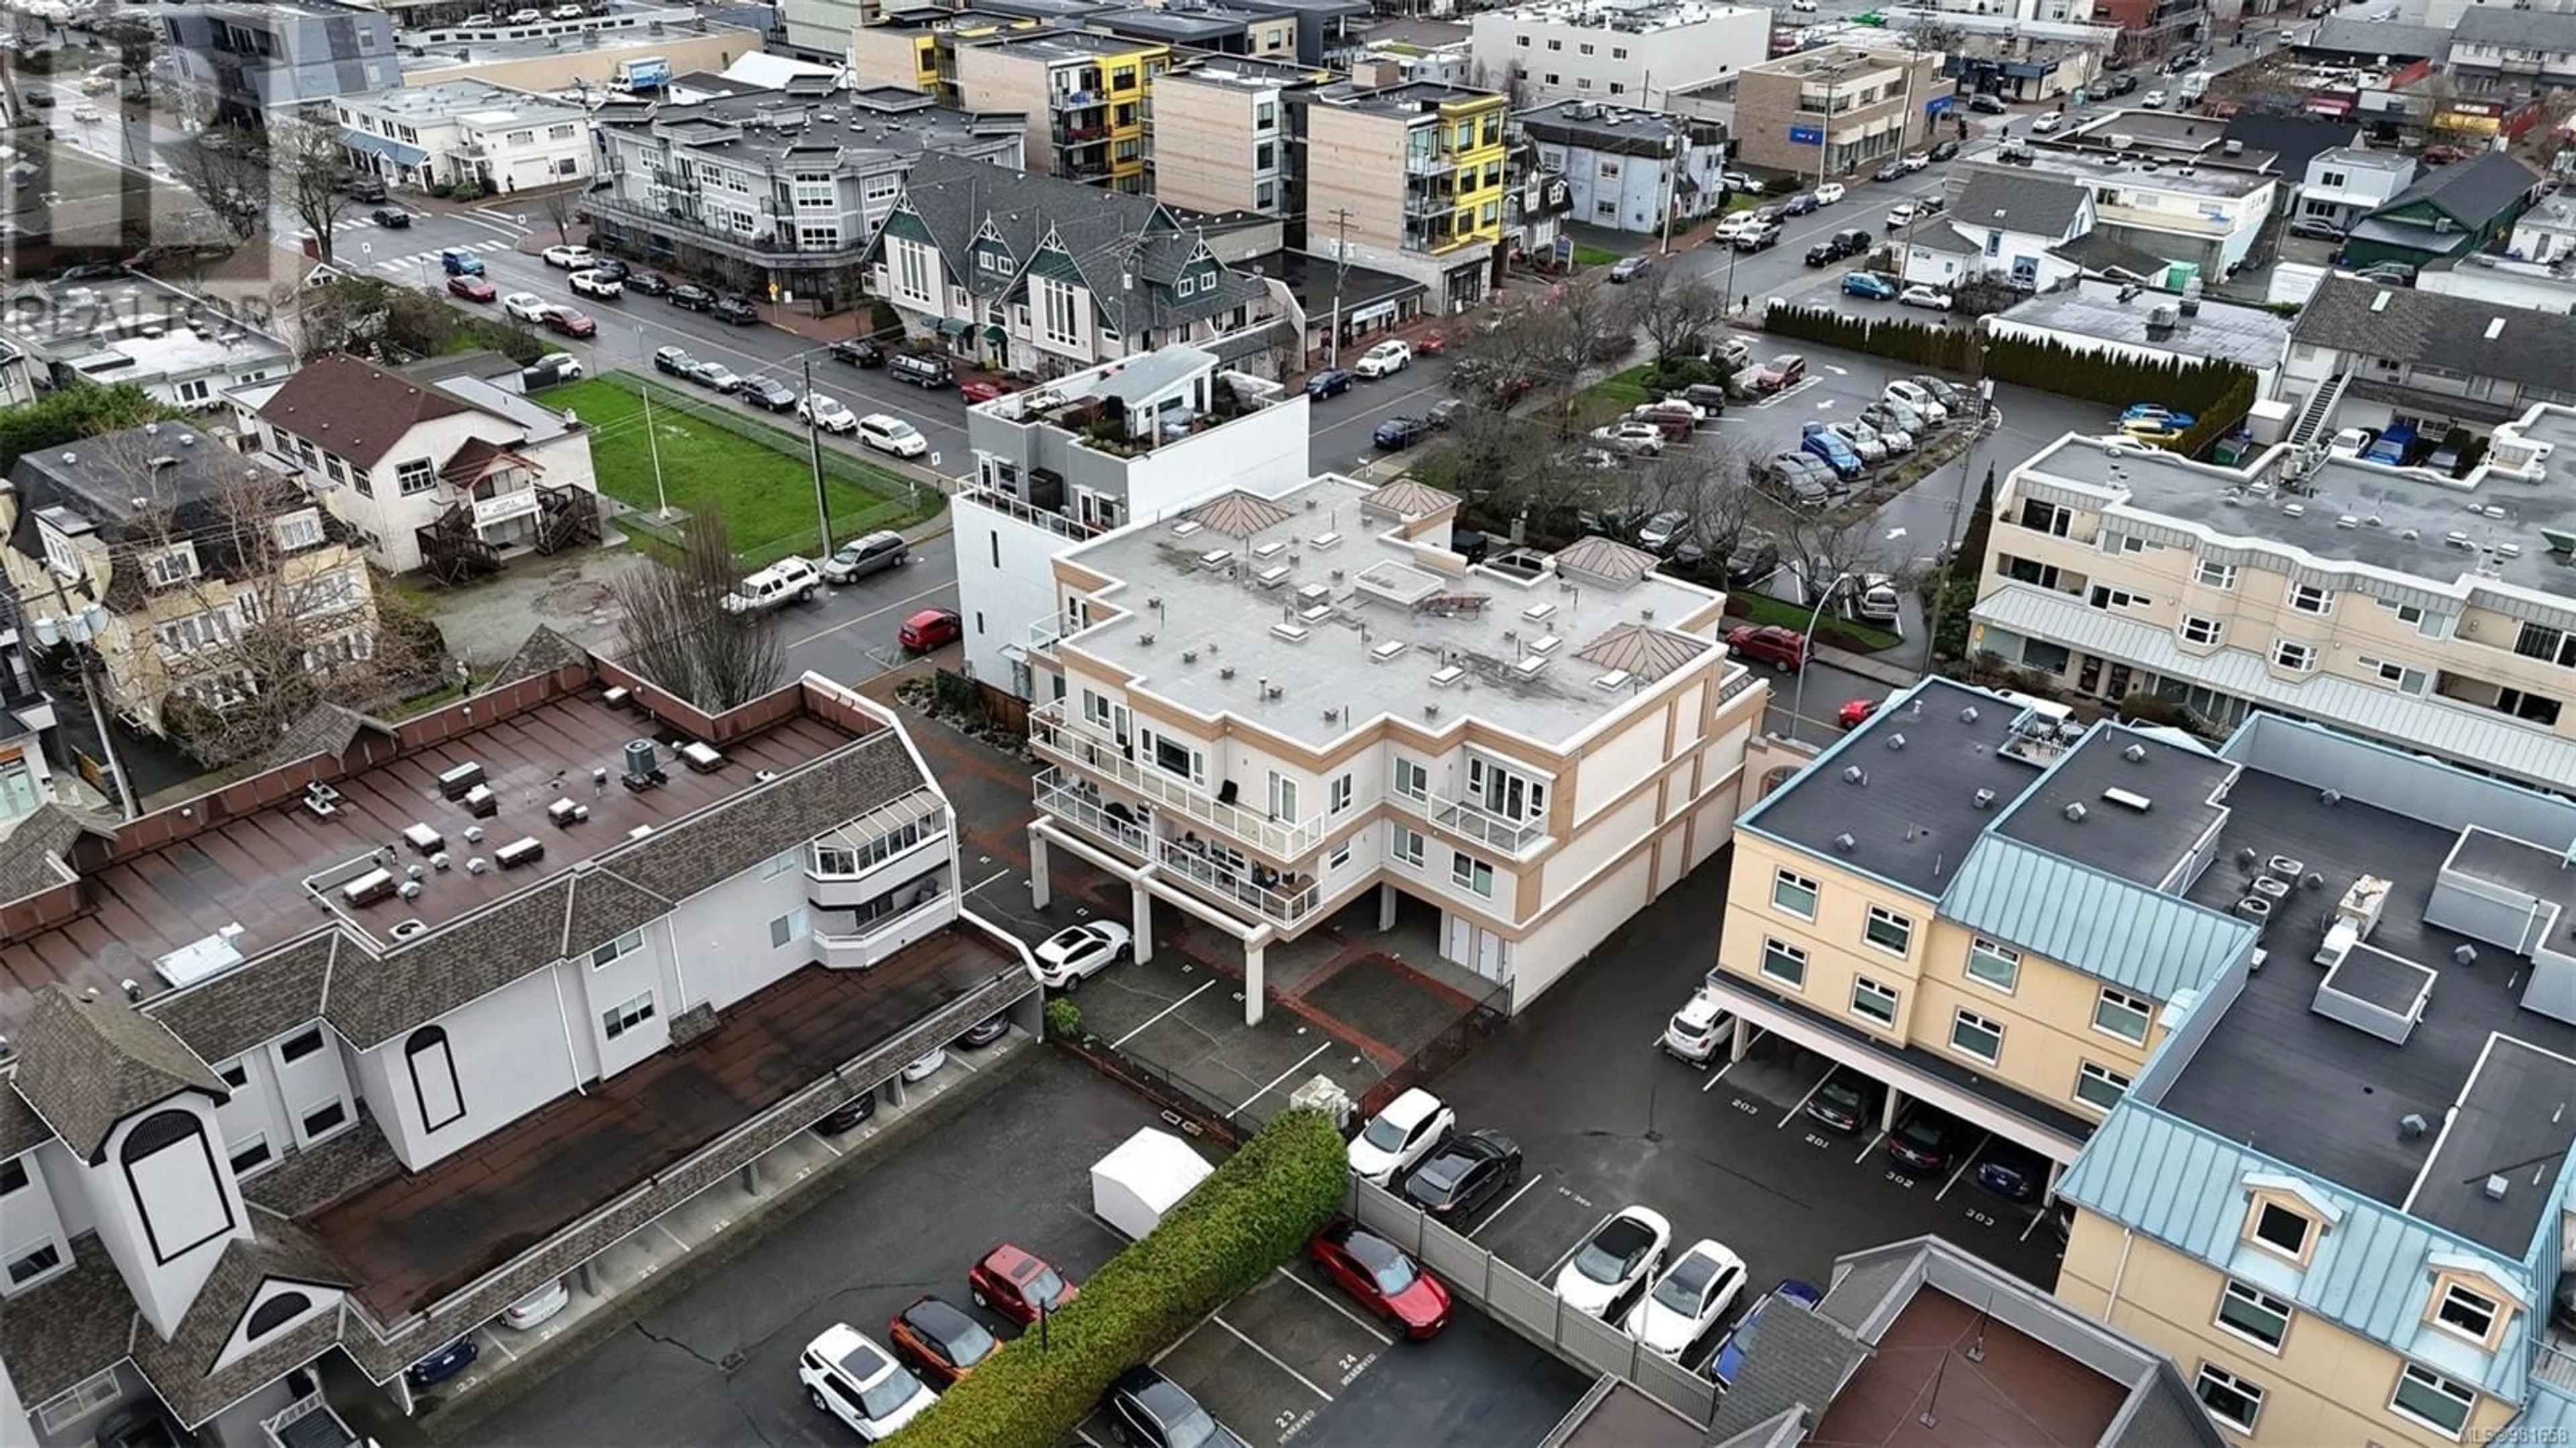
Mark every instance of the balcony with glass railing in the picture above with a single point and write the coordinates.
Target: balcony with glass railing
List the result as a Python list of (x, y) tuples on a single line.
[(1042, 636), (1281, 899), (1078, 802), (1494, 831), (1060, 739)]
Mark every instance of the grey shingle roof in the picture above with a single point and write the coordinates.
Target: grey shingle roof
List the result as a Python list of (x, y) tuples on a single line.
[(2028, 202), (2099, 253), (2379, 37), (30, 854), (2553, 31), (374, 1001), (21, 1129), (679, 861), (62, 1331), (87, 1064), (1863, 1281), (239, 1009), (2535, 349), (2471, 192), (543, 652), (2293, 140), (1802, 1364), (317, 1176), (181, 1368), (327, 730)]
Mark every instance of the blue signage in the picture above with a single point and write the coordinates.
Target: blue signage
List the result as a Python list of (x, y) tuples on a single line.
[(648, 73), (1806, 135), (1939, 105)]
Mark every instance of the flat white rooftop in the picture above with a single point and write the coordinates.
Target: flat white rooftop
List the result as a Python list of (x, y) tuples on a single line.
[(1309, 614)]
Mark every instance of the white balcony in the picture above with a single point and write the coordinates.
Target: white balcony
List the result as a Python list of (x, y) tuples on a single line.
[(1475, 822), (1078, 802), (1042, 637), (881, 937), (1294, 897), (1060, 739)]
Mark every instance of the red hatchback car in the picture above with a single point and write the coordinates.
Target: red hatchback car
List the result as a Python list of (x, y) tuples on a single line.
[(472, 289), (1018, 1285), (980, 391), (1855, 712), (1376, 1273), (570, 323), (929, 629), (1782, 648)]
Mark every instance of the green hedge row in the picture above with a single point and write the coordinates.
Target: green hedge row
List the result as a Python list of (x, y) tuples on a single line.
[(1254, 1213), (2198, 386)]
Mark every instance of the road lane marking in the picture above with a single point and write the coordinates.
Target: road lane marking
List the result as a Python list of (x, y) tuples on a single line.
[(1284, 1075), (828, 629), (1320, 1295), (1204, 987), (1811, 1094), (1274, 1357)]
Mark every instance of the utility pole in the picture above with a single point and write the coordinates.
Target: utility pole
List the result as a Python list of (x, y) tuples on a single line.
[(814, 445), (653, 443), (1341, 269), (1983, 392), (1672, 185)]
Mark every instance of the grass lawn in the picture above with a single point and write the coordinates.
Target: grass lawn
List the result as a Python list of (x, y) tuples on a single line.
[(1594, 256), (1763, 608), (765, 494), (1624, 388)]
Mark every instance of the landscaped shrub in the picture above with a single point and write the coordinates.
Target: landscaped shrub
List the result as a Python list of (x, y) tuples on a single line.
[(1063, 1020), (1254, 1213)]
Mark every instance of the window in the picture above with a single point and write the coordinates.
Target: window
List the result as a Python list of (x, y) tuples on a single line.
[(324, 1120), (1585, 47), (2106, 596), (2397, 676), (633, 940), (60, 553), (1785, 963), (80, 1400), (1404, 844), (1973, 1035), (13, 1176), (1995, 965), (1888, 930), (1471, 874), (912, 272), (301, 529), (1283, 797), (170, 565), (2430, 625), (770, 869), (617, 1020), (1174, 757), (35, 1264), (1618, 52), (1556, 45), (2282, 1230), (1794, 894), (1502, 792), (248, 1154), (2470, 1314), (275, 1313), (1873, 1002), (2229, 1398), (2214, 575), (302, 1046), (2202, 629), (2308, 598), (2549, 645), (414, 476), (1412, 780), (2118, 1013), (2293, 655), (2429, 1397), (2046, 518), (2254, 1314), (433, 1078), (788, 927), (1341, 854), (1337, 795), (1060, 322), (1521, 40)]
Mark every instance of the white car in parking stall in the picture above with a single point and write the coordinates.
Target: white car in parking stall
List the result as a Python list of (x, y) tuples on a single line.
[(1624, 1250), (1919, 398), (1400, 1135), (1687, 1301), (1078, 952)]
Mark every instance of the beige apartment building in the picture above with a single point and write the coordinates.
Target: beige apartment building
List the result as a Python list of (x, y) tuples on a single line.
[(1086, 97), (1837, 110), (2429, 613), (1223, 133), (1267, 710), (1411, 179)]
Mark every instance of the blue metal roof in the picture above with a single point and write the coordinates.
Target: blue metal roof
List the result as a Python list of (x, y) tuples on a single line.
[(2549, 1417), (2117, 930), (394, 151), (2371, 1273)]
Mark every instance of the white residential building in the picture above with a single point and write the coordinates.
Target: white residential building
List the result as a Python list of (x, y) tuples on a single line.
[(2426, 361), (2547, 232), (1089, 453), (2344, 185), (1264, 710), (1623, 54), (451, 476), (1629, 169), (2200, 207), (2005, 224), (467, 130), (240, 1137), (181, 349)]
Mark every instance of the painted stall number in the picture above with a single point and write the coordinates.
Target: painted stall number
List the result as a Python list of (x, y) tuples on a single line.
[(1292, 1424), (1817, 1141), (1352, 1367), (1747, 1107), (1901, 1179), (1980, 1218)]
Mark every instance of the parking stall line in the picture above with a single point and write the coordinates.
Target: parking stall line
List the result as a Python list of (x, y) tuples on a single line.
[(1320, 1295), (1496, 1214), (503, 1346), (1274, 1084), (2032, 1225), (1157, 1359), (1810, 1096), (1158, 1015), (1273, 1357), (1866, 1150), (987, 880), (1084, 1439), (1963, 1166), (1720, 1073)]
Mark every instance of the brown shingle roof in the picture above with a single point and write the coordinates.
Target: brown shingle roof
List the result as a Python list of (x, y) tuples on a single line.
[(1605, 560), (1406, 498), (543, 652), (239, 1009), (31, 855), (87, 1064), (182, 1368), (355, 409)]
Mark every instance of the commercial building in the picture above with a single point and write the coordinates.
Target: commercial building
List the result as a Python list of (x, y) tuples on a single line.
[(240, 61), (1089, 453), (1615, 54), (2154, 27), (2118, 319), (2392, 603), (1410, 179), (466, 131), (2167, 186), (2546, 234), (776, 190), (136, 329), (620, 48), (1264, 710), (175, 553), (916, 51), (1040, 277), (453, 1009), (1838, 109), (2500, 51), (1210, 27), (1629, 170), (1083, 98), (1225, 134), (455, 476)]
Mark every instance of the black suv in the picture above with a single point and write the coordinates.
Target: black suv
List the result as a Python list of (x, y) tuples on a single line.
[(769, 393), (675, 362), (859, 352), (1149, 1410), (609, 269), (1837, 246), (736, 311), (690, 297), (647, 284)]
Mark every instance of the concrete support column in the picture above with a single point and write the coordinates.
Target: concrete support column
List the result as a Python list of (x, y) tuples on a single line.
[(1386, 899), (750, 1176), (1143, 927), (1887, 1113), (1252, 991), (2056, 1172), (1037, 868), (1739, 1039), (896, 1089), (588, 1276)]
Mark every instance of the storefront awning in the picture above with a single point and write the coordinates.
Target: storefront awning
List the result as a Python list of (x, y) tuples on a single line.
[(394, 151), (997, 334), (954, 326)]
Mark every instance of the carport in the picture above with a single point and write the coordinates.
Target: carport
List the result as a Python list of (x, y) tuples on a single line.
[(1904, 1081), (1143, 889)]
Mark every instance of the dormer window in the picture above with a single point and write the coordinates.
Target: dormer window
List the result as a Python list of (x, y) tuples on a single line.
[(61, 556), (298, 530), (169, 567), (2277, 1226), (2470, 1313)]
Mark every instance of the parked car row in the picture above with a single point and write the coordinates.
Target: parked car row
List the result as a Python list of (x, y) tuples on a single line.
[(931, 1344)]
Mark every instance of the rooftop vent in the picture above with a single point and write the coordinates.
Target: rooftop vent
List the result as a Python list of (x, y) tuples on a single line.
[(2135, 754), (1185, 528), (1968, 715), (1528, 668), (1985, 799), (2495, 1187), (2412, 1125), (1324, 540), (1854, 774), (1846, 843), (1539, 612), (1385, 651), (1611, 681), (2075, 811), (2127, 799), (1446, 675), (1896, 741), (2379, 303), (1294, 633), (1216, 558), (1272, 576)]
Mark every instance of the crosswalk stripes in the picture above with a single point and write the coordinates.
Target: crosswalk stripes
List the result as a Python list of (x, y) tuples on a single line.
[(423, 258)]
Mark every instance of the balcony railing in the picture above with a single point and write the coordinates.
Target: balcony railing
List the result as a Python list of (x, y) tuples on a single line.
[(1057, 738), (1239, 888), (1042, 637), (1430, 163), (1079, 801), (1076, 100), (1466, 817), (876, 939)]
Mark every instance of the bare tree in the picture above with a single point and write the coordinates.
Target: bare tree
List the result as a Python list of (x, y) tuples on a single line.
[(562, 207), (1675, 312), (1929, 34), (249, 605), (677, 632), (1823, 546), (230, 174), (306, 165)]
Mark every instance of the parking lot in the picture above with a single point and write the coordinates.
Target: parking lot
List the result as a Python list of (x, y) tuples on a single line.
[(1606, 1119)]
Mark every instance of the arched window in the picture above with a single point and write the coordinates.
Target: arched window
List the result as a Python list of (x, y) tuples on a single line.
[(156, 1132), (180, 1193), (433, 1078), (277, 1312)]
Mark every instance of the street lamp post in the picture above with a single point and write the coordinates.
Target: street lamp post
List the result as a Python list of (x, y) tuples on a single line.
[(1959, 506), (1798, 703)]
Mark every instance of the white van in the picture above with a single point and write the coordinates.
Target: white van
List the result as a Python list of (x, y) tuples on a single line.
[(889, 434)]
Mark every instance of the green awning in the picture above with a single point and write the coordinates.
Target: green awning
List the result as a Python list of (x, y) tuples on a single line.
[(997, 334), (954, 326)]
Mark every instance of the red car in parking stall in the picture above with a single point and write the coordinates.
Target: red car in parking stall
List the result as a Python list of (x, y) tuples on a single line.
[(1377, 1274), (1018, 1285), (929, 629)]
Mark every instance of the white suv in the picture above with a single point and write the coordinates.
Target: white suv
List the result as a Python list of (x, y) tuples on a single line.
[(1384, 360), (892, 435), (860, 1383), (791, 580)]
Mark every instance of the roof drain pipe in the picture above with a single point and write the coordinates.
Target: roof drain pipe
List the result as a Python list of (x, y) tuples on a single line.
[(572, 1057), (2119, 1274)]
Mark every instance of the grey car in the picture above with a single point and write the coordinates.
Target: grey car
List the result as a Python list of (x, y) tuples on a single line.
[(860, 557)]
